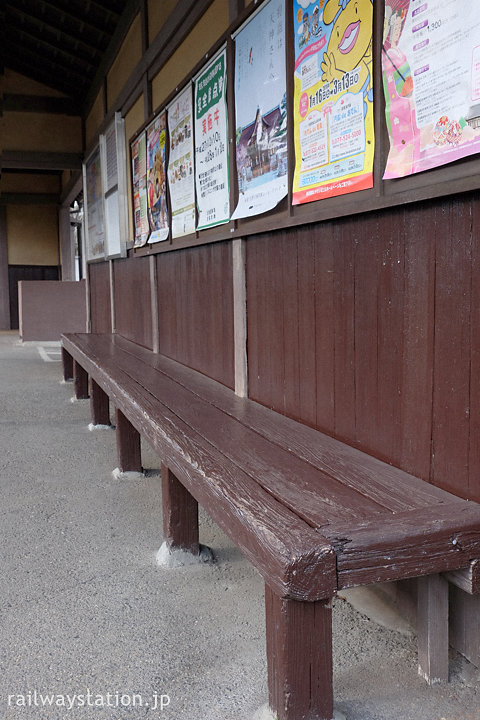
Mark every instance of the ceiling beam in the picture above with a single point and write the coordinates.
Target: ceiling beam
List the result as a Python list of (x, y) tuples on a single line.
[(24, 160)]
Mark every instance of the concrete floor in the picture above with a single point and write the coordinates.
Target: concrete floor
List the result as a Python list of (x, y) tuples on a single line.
[(91, 624)]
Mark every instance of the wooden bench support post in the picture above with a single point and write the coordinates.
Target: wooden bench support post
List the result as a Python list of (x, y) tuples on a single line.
[(465, 624), (299, 658), (180, 515), (99, 404), (67, 361), (432, 628), (80, 381), (128, 444)]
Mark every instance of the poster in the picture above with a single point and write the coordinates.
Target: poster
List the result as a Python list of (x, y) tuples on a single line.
[(211, 144), (333, 99), (95, 209), (139, 184), (156, 179), (181, 180), (261, 111), (431, 80)]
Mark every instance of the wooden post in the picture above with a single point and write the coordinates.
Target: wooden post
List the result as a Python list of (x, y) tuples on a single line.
[(128, 444), (67, 361), (99, 404), (432, 628), (299, 658), (180, 514), (80, 381)]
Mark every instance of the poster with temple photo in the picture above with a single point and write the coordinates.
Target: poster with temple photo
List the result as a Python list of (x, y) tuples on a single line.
[(333, 98), (261, 111), (157, 179), (138, 151), (211, 144), (431, 81)]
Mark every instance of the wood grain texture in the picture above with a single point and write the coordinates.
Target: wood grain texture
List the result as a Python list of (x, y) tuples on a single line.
[(195, 302), (299, 658), (432, 628), (133, 302), (100, 301), (465, 624), (180, 515), (128, 444), (467, 579)]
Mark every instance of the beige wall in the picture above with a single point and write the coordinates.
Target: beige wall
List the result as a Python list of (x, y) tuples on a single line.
[(32, 232), (41, 132), (20, 85), (158, 13), (207, 31), (94, 119), (128, 57)]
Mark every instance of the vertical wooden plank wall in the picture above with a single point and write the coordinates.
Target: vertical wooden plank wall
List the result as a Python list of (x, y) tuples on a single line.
[(100, 303), (369, 328), (133, 307), (195, 309)]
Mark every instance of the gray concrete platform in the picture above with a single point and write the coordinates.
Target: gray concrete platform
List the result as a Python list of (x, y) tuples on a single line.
[(87, 618)]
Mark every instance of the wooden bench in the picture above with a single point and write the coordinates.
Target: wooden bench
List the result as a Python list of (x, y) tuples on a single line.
[(312, 514)]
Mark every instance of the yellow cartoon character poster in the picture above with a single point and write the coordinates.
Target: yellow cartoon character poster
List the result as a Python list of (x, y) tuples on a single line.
[(333, 102)]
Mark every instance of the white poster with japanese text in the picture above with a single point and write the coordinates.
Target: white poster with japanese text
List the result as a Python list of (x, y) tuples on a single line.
[(181, 180), (261, 111), (211, 144)]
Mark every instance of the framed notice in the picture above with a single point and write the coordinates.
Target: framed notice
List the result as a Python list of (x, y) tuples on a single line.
[(431, 81), (181, 179), (211, 144), (333, 100), (261, 111), (94, 207)]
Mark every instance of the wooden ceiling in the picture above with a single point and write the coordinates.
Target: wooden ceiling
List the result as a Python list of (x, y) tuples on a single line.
[(60, 43)]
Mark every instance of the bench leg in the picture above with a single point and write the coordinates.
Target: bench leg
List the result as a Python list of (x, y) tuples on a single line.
[(180, 515), (67, 361), (80, 381), (299, 658), (465, 624), (432, 628), (128, 444), (99, 404)]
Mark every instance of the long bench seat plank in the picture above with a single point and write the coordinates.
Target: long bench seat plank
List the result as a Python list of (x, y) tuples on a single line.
[(316, 498), (293, 558), (375, 479), (416, 543), (376, 548)]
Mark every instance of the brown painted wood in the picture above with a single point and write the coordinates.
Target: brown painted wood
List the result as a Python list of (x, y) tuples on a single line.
[(132, 300), (465, 624), (4, 281), (99, 405), (80, 381), (195, 301), (100, 302), (128, 444), (290, 555), (299, 658), (67, 364), (432, 628), (180, 514)]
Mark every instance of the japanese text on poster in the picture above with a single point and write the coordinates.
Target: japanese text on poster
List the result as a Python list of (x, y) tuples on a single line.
[(95, 209), (261, 111), (139, 182), (333, 101), (211, 145), (180, 166), (431, 80), (156, 179)]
